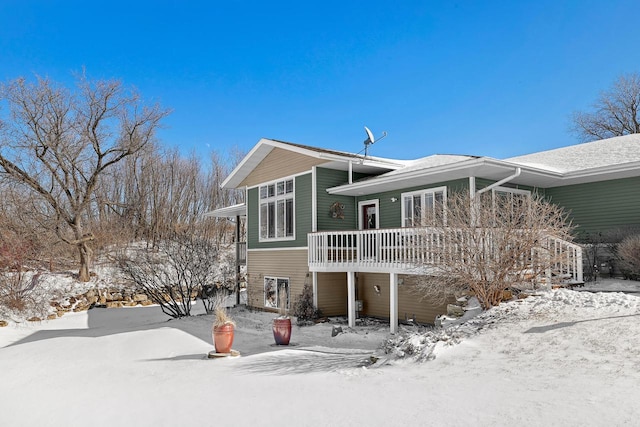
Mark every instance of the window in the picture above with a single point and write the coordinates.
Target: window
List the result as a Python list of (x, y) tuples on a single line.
[(510, 204), (276, 292), (424, 207), (277, 210)]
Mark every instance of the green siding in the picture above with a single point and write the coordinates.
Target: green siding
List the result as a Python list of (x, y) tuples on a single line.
[(391, 212), (600, 206), (482, 183), (303, 209), (302, 220), (327, 178), (253, 231)]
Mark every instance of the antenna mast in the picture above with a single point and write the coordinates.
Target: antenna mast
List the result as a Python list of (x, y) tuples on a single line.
[(371, 140)]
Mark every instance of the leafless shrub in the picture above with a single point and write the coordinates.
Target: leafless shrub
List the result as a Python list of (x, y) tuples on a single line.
[(20, 294), (487, 245), (629, 254), (175, 274)]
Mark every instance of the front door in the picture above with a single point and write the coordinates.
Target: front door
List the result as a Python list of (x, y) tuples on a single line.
[(369, 220), (369, 215)]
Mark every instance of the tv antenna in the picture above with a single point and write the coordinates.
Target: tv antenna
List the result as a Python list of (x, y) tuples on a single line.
[(371, 140)]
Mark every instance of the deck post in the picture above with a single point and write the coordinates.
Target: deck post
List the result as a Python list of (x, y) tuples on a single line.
[(351, 295), (314, 281), (393, 302)]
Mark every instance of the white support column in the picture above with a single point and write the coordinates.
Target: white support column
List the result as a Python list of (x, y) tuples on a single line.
[(351, 295), (314, 281), (393, 302)]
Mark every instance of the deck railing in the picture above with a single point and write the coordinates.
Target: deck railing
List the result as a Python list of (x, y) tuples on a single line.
[(412, 250)]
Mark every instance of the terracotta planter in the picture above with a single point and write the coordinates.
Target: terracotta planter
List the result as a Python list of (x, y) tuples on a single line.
[(223, 338), (282, 331)]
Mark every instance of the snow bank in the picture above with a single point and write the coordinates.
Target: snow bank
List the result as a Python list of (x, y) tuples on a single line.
[(423, 343)]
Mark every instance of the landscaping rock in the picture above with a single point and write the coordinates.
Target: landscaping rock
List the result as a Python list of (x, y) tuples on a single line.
[(3, 323), (336, 330), (454, 310), (114, 304)]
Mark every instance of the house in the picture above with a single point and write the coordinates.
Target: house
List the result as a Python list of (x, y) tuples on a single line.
[(336, 220)]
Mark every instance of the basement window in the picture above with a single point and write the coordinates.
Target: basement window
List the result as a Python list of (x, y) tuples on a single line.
[(276, 292)]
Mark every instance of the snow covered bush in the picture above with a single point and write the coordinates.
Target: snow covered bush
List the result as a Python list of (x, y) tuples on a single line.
[(629, 253)]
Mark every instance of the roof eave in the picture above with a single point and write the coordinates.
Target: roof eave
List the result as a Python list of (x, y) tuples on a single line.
[(244, 168), (228, 211), (458, 170)]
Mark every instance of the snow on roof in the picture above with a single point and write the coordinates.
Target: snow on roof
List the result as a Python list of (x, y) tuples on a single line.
[(432, 161), (342, 153), (597, 154)]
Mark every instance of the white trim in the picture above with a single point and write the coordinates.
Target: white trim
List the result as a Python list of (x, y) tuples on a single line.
[(375, 202), (228, 211), (275, 198), (297, 248), (280, 179), (276, 279), (314, 200)]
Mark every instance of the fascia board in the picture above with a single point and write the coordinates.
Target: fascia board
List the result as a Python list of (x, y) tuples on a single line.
[(238, 174)]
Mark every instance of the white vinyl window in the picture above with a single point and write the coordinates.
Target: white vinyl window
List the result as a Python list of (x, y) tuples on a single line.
[(276, 292), (277, 210), (424, 207), (509, 201)]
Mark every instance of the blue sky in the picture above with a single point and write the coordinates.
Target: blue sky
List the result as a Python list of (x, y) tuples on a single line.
[(494, 78)]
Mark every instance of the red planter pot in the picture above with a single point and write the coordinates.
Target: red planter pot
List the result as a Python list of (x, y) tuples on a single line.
[(223, 338), (282, 331)]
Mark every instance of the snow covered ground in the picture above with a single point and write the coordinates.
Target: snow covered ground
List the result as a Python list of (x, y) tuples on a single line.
[(560, 358)]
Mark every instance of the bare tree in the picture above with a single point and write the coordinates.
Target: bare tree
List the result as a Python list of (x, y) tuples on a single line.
[(488, 244), (57, 143), (615, 113), (156, 192)]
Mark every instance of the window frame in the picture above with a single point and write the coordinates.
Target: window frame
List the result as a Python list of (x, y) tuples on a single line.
[(277, 200), (510, 191), (422, 193), (277, 283)]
